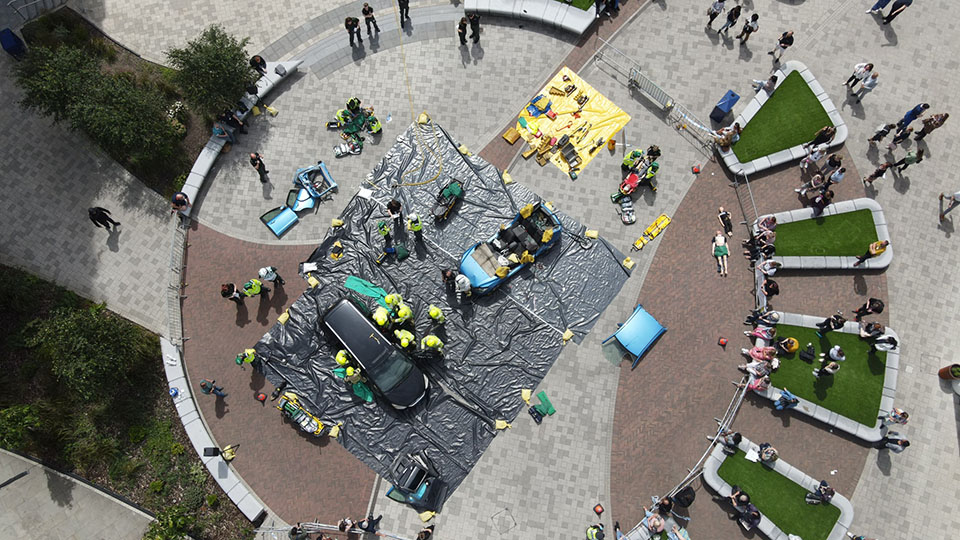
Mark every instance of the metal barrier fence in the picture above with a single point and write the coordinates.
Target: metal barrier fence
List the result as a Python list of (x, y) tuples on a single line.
[(178, 241), (677, 115), (31, 9)]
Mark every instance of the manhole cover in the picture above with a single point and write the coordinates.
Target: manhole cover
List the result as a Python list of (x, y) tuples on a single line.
[(503, 521)]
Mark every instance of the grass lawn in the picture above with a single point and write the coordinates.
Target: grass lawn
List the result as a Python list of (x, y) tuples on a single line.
[(847, 234), (853, 392), (582, 4), (780, 499), (791, 116)]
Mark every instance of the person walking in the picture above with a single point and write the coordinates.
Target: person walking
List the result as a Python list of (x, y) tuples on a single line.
[(881, 132), (930, 124), (954, 202), (912, 115), (880, 172), (749, 27), (101, 217), (875, 249), (783, 43), (896, 10), (732, 16), (404, 7), (269, 273), (474, 20), (714, 11), (254, 287), (878, 7), (256, 161), (835, 178), (462, 30), (899, 137), (911, 158), (352, 24), (207, 387), (866, 86), (860, 72), (369, 18)]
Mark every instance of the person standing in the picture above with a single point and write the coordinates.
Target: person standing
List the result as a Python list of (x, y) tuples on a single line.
[(896, 10), (179, 202), (256, 161), (395, 209), (258, 63), (912, 115), (815, 154), (878, 7), (230, 291), (930, 124), (866, 86), (873, 305), (474, 20), (254, 287), (899, 137), (462, 30), (881, 132), (207, 387), (598, 5), (749, 27), (836, 177), (785, 41), (404, 6), (860, 72), (732, 16), (100, 217), (954, 202), (269, 273), (833, 163), (910, 159), (714, 11), (875, 249), (352, 24), (369, 18)]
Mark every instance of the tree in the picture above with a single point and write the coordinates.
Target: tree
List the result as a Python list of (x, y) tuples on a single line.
[(212, 70), (90, 351), (125, 119), (52, 80)]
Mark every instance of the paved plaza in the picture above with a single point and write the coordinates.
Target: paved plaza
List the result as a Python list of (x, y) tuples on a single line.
[(620, 435)]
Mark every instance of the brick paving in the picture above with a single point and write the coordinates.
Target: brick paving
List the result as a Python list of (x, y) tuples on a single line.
[(658, 403), (298, 476)]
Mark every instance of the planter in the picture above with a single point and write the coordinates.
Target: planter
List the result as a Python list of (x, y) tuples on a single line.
[(950, 372)]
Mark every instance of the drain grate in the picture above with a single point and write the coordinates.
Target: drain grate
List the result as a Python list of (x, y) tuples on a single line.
[(503, 521)]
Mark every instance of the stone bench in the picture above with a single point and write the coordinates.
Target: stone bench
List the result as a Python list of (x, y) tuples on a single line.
[(231, 483), (548, 12), (789, 154), (208, 155), (711, 476), (815, 262)]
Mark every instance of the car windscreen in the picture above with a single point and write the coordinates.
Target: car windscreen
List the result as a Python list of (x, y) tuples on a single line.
[(389, 371)]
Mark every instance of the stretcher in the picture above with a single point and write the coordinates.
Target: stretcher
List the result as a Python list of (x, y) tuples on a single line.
[(652, 231)]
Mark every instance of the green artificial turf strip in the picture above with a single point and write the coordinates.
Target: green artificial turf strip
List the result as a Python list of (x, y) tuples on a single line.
[(854, 391), (582, 4), (791, 116), (847, 234), (779, 498)]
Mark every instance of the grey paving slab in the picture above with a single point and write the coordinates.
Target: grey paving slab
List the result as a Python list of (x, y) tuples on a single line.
[(51, 176), (53, 505)]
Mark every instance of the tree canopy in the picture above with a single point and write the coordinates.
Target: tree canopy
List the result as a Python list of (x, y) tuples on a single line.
[(212, 70)]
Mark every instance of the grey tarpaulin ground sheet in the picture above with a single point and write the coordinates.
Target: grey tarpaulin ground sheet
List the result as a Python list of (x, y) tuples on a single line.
[(494, 346)]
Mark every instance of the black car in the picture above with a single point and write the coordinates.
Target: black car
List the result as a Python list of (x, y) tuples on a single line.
[(389, 370)]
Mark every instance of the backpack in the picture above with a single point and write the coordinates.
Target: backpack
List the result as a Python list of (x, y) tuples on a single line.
[(685, 497)]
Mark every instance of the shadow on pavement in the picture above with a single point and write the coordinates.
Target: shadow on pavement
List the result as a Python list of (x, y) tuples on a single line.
[(61, 489)]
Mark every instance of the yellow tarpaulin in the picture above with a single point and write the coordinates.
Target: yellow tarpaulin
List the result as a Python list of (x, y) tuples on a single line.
[(597, 122)]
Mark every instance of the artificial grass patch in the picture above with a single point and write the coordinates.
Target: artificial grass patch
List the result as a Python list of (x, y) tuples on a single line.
[(854, 391), (582, 4), (847, 234), (779, 498), (791, 116)]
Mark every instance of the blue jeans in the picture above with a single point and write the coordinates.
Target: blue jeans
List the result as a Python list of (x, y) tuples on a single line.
[(880, 5)]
